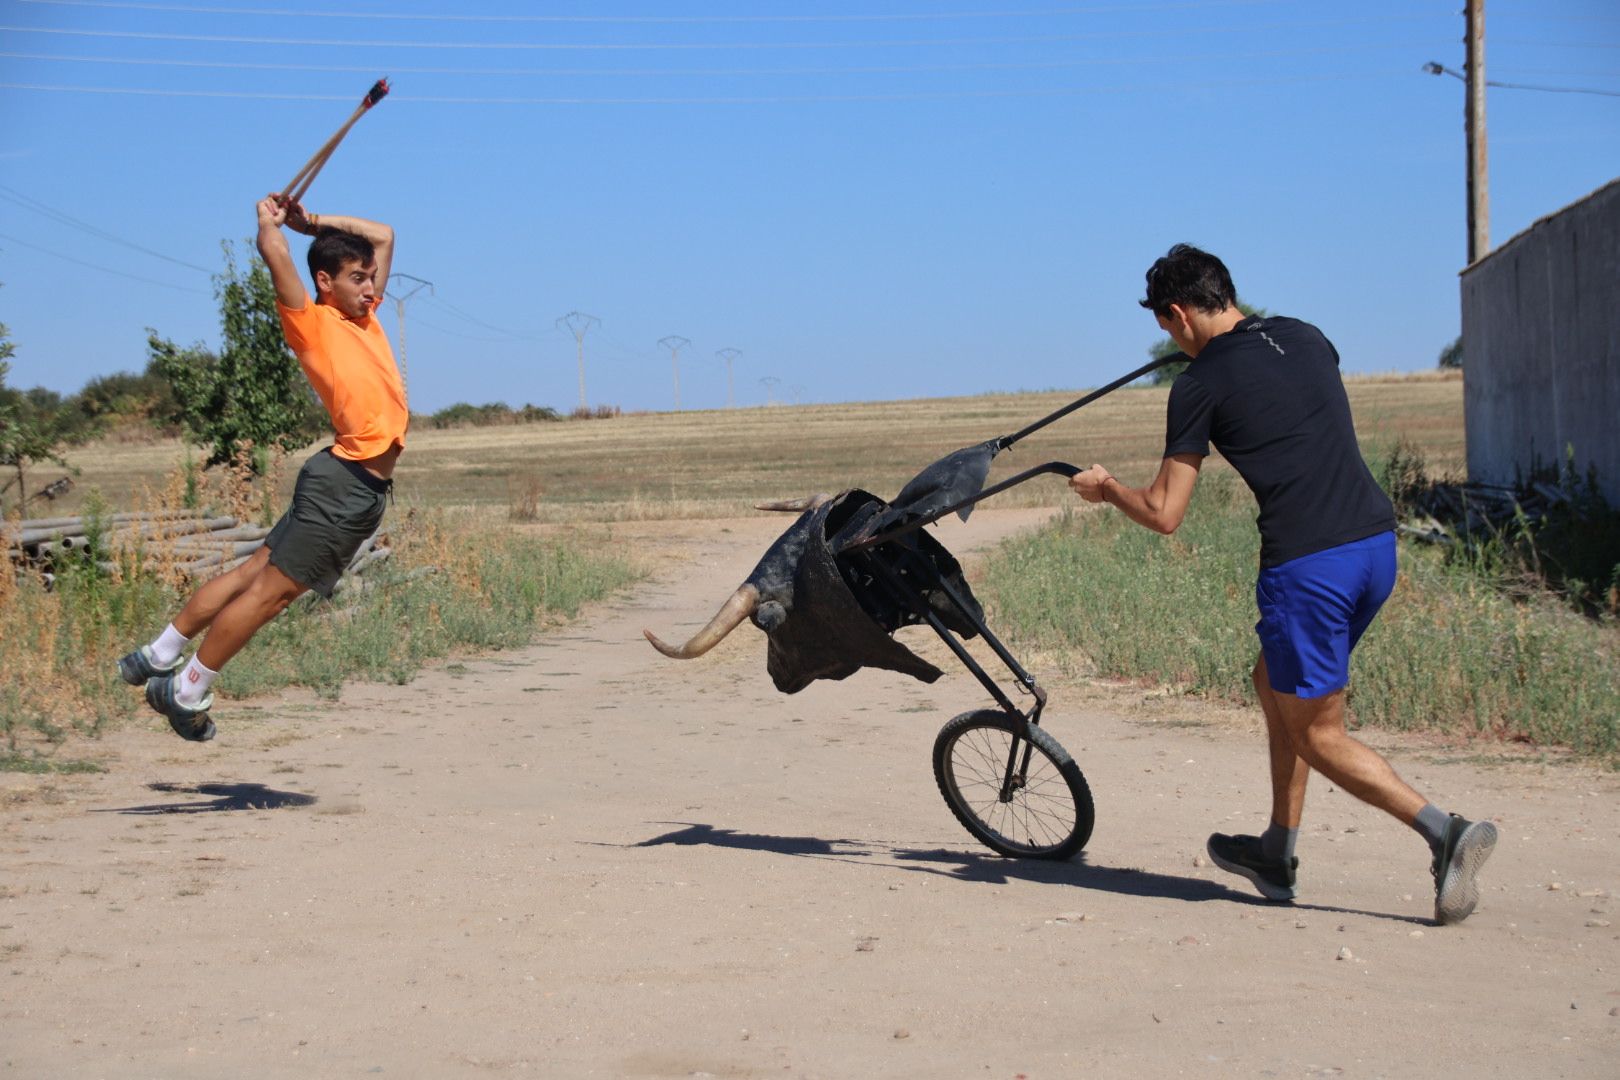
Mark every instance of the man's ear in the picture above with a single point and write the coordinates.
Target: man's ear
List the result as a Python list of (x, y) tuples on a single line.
[(323, 283)]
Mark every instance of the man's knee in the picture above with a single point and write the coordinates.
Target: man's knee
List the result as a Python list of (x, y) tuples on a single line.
[(271, 590), (243, 576), (1318, 743), (1315, 724)]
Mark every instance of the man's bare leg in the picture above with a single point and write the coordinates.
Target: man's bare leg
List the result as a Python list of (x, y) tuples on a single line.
[(233, 621), (1302, 734), (267, 595), (1289, 771), (1317, 728), (209, 600), (162, 655)]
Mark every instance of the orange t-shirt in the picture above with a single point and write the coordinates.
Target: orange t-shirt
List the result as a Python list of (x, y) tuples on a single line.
[(351, 367)]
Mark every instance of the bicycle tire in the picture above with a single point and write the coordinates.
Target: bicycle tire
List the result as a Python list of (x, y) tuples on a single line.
[(1049, 816)]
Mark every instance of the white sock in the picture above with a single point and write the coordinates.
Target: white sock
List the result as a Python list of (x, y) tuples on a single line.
[(193, 684), (168, 646)]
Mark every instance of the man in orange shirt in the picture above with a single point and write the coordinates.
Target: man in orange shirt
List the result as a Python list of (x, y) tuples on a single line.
[(341, 491)]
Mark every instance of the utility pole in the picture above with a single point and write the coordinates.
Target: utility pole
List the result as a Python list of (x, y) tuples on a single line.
[(399, 312), (729, 355), (675, 343), (578, 323), (1479, 190), (770, 383)]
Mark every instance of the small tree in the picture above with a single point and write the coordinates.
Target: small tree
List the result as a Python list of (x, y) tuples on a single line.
[(8, 409), (34, 425), (250, 397), (1451, 357), (1166, 347)]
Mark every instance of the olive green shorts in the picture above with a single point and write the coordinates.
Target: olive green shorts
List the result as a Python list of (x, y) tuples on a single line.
[(336, 504)]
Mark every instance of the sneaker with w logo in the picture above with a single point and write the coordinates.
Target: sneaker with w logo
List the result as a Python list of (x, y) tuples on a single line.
[(189, 723)]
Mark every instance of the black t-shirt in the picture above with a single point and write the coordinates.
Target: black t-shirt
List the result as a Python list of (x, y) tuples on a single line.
[(1268, 394)]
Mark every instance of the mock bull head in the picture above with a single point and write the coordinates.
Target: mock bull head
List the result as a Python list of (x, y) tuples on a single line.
[(826, 613)]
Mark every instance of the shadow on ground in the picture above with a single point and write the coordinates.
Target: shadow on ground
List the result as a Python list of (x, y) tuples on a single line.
[(220, 797), (988, 869)]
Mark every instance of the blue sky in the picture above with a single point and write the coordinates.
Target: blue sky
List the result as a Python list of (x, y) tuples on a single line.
[(868, 200)]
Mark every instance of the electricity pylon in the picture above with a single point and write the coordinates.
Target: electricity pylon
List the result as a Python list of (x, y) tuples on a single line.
[(729, 355), (577, 323), (399, 312), (675, 343)]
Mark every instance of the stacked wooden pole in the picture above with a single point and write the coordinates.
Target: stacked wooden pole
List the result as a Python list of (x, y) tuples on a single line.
[(196, 545)]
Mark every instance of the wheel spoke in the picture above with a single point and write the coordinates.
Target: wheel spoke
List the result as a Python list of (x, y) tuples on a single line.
[(1042, 813)]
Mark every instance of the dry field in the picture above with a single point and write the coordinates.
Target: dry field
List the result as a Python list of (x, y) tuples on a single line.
[(715, 463)]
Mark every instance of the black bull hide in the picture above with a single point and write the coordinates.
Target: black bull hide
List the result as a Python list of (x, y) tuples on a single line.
[(827, 615)]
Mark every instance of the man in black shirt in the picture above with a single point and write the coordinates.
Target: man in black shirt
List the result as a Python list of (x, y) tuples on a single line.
[(1267, 393)]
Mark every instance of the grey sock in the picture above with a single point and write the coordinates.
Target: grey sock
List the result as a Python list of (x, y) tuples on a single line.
[(1277, 842), (1431, 825)]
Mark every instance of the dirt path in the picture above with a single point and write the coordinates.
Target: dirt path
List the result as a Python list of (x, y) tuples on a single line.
[(581, 859)]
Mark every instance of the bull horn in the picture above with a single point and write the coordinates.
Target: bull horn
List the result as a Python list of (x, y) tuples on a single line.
[(731, 614), (799, 505)]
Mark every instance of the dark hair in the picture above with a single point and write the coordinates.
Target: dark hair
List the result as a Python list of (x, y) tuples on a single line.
[(1189, 277), (332, 248)]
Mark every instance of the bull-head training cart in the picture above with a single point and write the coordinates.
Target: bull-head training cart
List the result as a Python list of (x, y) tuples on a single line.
[(852, 570)]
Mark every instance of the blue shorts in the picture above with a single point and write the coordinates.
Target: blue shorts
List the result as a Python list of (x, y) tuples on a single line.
[(1313, 610)]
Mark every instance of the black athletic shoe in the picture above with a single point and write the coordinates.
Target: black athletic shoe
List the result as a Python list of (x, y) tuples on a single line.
[(1463, 850), (188, 723), (1242, 855), (138, 666)]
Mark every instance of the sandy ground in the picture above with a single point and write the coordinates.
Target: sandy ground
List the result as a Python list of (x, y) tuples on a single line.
[(582, 859)]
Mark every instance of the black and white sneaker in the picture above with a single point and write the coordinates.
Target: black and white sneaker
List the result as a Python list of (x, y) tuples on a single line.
[(137, 666), (1463, 850), (188, 723), (1242, 855)]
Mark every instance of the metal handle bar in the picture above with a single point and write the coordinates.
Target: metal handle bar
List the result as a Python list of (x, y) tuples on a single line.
[(1062, 468), (1152, 365)]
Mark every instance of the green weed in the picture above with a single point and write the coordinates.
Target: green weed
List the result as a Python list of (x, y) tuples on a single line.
[(492, 589), (1450, 652)]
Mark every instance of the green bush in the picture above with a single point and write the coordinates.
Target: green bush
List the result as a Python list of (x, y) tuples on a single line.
[(494, 414)]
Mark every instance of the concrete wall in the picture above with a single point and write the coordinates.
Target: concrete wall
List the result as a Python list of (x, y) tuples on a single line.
[(1541, 346)]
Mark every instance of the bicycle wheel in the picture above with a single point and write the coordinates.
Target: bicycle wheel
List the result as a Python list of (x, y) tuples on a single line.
[(1044, 813)]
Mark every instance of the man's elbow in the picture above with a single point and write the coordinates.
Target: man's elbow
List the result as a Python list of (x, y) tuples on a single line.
[(1164, 520)]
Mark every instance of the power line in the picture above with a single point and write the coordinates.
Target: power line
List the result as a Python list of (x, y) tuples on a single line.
[(1434, 68), (417, 320), (1557, 44), (233, 94), (28, 202), (692, 46), (687, 20), (765, 99), (452, 309), (103, 269), (748, 72)]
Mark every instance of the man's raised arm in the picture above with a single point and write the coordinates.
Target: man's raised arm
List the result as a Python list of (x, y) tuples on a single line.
[(381, 236), (277, 257)]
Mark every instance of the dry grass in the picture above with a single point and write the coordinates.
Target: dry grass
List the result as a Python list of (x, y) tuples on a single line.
[(716, 463)]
